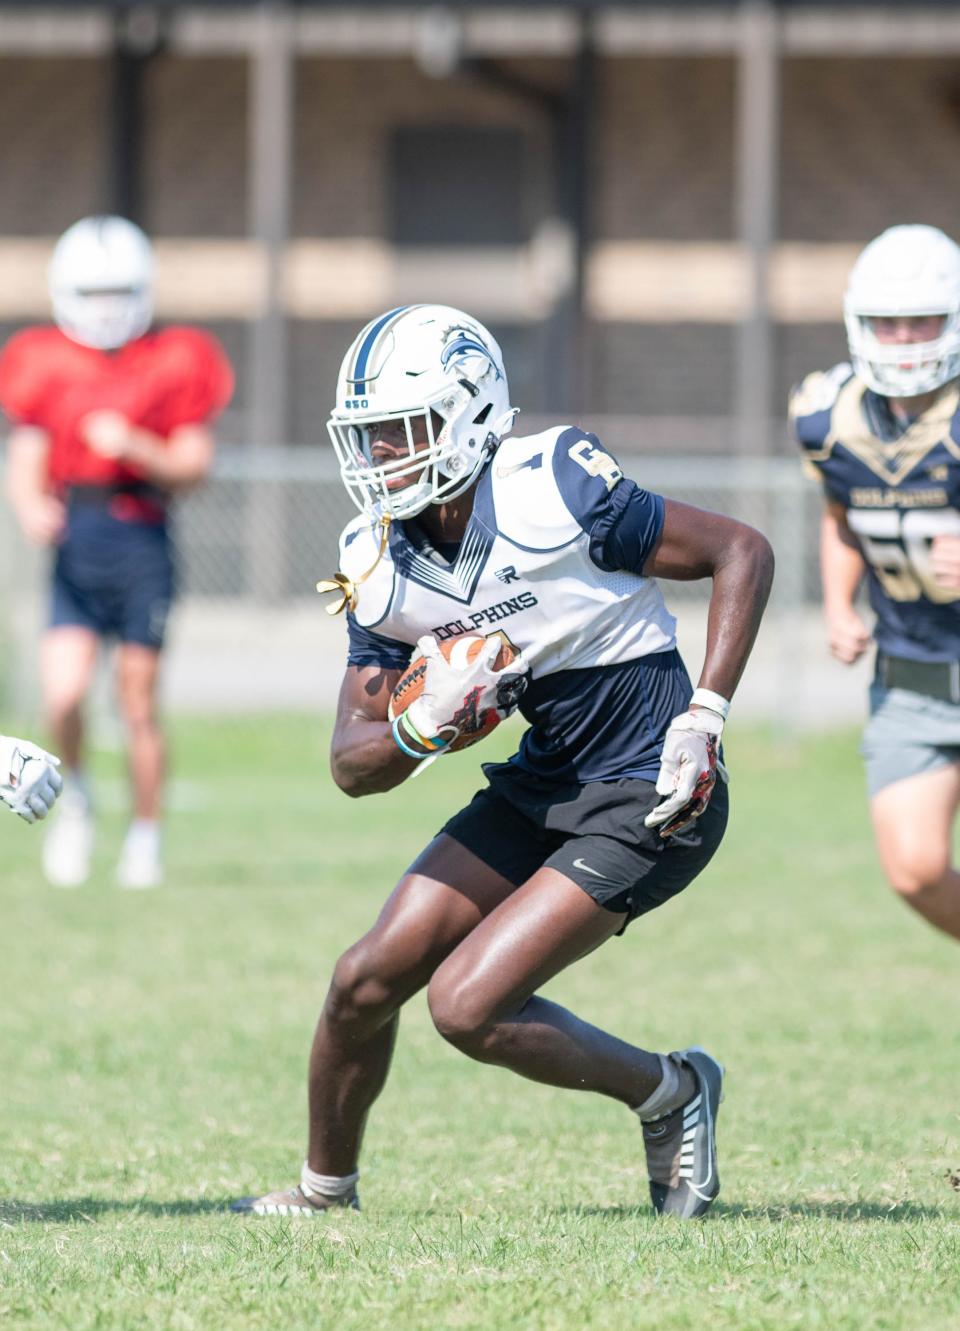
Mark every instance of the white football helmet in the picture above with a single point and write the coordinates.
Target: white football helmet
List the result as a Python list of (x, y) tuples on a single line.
[(407, 364), (908, 270), (101, 282)]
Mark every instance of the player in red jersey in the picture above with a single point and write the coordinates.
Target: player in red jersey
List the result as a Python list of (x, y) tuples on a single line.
[(111, 418)]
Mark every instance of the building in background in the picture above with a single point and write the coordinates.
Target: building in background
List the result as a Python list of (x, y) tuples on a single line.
[(654, 206), (608, 185)]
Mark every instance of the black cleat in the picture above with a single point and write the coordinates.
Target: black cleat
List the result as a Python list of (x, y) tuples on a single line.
[(681, 1146)]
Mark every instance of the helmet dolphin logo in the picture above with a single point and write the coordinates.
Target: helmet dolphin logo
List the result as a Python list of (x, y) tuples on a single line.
[(461, 344)]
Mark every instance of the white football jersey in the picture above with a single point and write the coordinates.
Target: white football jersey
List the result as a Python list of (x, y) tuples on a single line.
[(551, 559)]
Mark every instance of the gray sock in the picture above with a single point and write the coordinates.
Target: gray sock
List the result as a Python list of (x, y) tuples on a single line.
[(666, 1097)]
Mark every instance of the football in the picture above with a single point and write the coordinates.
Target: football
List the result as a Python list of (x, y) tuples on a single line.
[(475, 724)]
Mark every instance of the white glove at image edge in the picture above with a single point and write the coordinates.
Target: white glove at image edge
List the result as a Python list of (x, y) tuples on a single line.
[(29, 780)]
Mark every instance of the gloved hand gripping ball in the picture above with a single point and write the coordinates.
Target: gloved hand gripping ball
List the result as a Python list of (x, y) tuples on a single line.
[(461, 689)]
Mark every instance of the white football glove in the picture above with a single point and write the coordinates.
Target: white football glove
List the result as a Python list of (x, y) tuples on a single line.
[(451, 694), (29, 780), (688, 770)]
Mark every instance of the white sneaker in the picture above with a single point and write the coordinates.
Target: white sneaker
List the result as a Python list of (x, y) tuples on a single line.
[(68, 844), (140, 864)]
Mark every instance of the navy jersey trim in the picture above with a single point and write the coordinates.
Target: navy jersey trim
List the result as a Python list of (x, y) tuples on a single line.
[(598, 723), (366, 648), (457, 580), (628, 533)]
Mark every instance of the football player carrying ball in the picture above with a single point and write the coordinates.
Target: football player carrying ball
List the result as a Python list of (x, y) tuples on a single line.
[(609, 807)]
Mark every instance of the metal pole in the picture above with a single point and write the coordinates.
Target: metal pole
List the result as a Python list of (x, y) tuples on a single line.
[(790, 536), (569, 117), (565, 377), (137, 38), (270, 124), (758, 124)]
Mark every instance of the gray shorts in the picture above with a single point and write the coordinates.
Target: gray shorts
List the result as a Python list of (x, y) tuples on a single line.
[(908, 733)]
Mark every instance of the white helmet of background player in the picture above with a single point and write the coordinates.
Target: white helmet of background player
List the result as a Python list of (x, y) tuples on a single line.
[(410, 364), (101, 282), (908, 270)]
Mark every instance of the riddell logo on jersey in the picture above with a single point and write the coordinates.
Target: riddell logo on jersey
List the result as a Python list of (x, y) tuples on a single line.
[(508, 574), (490, 615)]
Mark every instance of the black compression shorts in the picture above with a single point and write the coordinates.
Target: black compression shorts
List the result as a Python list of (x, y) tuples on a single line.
[(593, 833)]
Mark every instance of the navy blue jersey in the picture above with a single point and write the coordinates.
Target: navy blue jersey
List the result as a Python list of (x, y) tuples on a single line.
[(900, 487), (552, 558)]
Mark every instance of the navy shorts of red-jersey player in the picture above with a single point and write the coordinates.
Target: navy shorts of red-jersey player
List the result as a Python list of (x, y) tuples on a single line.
[(113, 571), (112, 575)]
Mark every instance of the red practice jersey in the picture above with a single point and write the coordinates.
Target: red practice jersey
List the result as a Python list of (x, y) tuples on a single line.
[(176, 376)]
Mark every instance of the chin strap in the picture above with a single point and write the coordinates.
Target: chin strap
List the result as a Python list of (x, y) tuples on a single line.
[(347, 587)]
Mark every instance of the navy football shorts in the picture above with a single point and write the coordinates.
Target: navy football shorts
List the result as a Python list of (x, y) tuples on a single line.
[(113, 577), (593, 833)]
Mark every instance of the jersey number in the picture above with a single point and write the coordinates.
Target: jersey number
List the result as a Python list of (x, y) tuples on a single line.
[(897, 546), (596, 462)]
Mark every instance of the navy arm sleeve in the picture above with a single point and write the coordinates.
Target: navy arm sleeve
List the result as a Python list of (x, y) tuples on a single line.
[(623, 521), (627, 535), (366, 648)]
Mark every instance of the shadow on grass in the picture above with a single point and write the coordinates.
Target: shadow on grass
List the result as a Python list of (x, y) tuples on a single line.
[(91, 1209), (891, 1213)]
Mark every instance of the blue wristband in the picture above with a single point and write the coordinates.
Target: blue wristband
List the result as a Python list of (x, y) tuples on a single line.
[(403, 746)]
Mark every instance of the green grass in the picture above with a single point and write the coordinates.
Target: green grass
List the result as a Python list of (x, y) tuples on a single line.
[(153, 1047)]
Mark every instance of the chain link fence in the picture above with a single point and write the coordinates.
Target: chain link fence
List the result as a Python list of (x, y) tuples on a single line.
[(250, 635), (266, 526)]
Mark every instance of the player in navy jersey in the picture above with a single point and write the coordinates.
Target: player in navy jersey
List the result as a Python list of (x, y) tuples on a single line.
[(609, 807), (883, 436)]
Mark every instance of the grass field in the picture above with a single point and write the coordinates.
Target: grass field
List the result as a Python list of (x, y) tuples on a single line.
[(152, 1053)]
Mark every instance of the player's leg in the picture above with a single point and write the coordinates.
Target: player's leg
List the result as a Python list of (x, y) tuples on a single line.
[(444, 895), (913, 823), (482, 998), (144, 593), (911, 747), (137, 679), (68, 658), (484, 1001)]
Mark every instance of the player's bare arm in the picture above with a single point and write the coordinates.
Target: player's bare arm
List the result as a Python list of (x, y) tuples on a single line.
[(364, 759), (842, 569), (454, 700), (696, 544), (177, 463), (40, 514), (945, 561)]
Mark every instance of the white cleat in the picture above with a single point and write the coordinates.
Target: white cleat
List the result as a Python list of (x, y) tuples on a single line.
[(68, 845), (294, 1202), (140, 866)]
